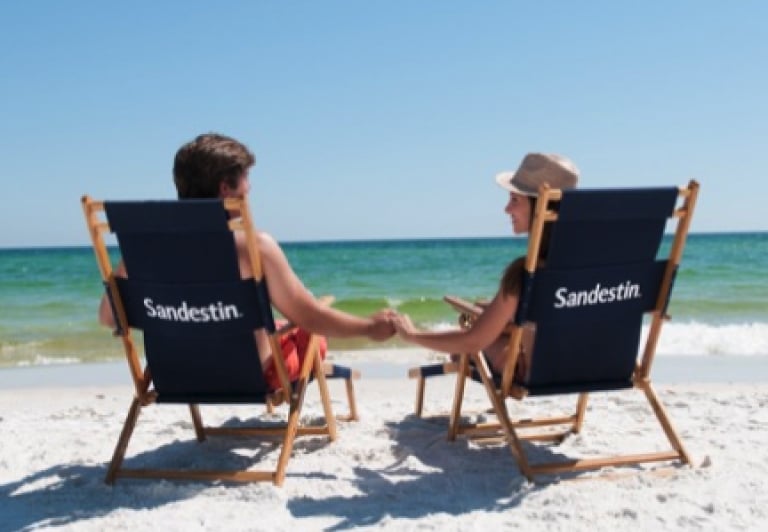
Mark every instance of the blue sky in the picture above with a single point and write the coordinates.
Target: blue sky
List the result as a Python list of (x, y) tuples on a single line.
[(379, 119)]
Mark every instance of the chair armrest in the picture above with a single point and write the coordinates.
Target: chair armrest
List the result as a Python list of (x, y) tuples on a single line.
[(464, 306), (471, 311)]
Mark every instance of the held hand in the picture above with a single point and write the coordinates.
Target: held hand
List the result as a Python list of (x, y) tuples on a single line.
[(381, 328), (403, 325)]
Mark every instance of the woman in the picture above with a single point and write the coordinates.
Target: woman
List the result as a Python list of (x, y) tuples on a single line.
[(487, 333)]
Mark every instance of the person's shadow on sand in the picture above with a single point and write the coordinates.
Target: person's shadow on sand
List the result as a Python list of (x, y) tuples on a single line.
[(431, 476), (65, 494)]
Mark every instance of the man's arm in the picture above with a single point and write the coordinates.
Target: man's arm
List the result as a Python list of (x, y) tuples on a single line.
[(296, 303)]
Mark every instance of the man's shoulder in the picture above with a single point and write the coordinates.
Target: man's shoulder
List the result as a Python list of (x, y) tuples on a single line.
[(265, 240), (267, 245)]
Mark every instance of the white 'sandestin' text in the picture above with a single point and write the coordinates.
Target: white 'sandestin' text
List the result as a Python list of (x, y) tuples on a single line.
[(596, 296), (185, 313)]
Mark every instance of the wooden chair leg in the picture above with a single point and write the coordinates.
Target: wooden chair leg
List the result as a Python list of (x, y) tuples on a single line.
[(197, 421), (422, 373), (122, 442), (330, 371), (351, 400), (500, 409), (458, 397), (419, 407), (325, 395), (581, 409), (666, 424), (290, 431)]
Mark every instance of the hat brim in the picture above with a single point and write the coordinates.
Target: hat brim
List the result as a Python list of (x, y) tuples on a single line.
[(504, 180)]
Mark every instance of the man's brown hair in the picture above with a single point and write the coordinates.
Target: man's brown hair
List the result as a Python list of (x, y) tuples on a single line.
[(201, 165)]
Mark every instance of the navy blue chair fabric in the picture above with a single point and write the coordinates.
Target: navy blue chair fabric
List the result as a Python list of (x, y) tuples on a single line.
[(185, 293), (600, 276)]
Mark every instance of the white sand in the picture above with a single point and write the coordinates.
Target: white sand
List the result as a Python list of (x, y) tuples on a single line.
[(389, 470)]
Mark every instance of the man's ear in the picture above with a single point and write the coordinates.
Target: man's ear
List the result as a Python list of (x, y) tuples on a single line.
[(224, 189)]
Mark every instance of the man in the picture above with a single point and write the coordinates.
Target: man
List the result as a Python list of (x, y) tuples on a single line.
[(217, 166)]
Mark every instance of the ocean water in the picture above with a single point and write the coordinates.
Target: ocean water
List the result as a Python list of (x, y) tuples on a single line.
[(49, 296)]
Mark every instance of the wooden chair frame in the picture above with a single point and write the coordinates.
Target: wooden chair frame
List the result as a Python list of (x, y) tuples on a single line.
[(509, 428), (144, 395)]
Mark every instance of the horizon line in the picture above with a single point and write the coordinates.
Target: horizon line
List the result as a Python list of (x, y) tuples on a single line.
[(387, 239)]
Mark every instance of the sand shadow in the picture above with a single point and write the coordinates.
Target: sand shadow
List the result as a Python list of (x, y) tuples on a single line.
[(65, 494), (430, 475)]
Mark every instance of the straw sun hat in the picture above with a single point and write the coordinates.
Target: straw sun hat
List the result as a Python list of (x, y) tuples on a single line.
[(539, 168)]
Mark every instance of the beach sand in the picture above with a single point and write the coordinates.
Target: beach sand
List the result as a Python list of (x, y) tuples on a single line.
[(390, 470)]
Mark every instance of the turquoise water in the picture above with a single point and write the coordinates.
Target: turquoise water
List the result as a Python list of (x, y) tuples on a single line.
[(49, 296)]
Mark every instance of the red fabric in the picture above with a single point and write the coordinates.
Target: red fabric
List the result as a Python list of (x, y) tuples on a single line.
[(294, 345)]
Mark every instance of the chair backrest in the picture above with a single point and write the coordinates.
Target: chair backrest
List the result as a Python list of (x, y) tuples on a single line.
[(588, 296), (185, 293)]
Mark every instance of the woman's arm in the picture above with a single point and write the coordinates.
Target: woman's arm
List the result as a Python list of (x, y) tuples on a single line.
[(489, 325)]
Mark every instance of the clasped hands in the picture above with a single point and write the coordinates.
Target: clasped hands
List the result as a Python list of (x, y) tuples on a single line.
[(387, 322)]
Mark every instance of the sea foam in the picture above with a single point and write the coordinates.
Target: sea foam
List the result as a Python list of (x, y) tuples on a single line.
[(695, 338)]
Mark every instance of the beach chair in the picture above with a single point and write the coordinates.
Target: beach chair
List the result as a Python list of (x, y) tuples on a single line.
[(604, 272), (198, 317)]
